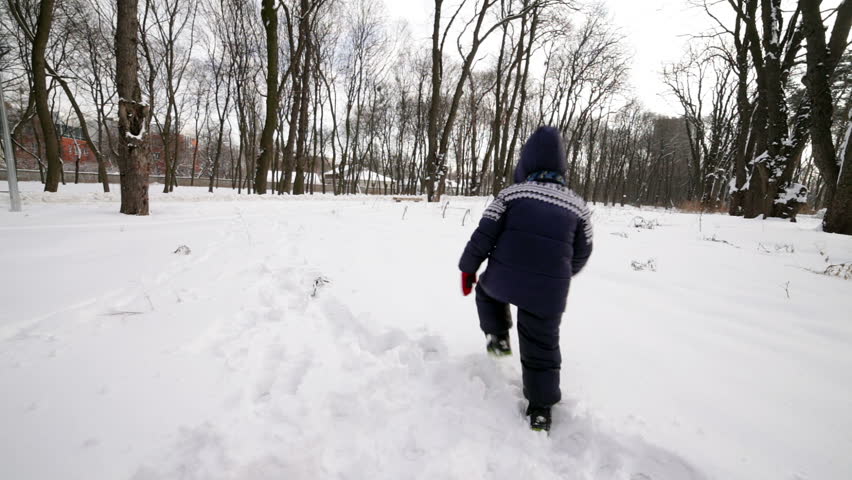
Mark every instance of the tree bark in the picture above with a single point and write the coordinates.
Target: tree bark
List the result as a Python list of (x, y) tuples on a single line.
[(285, 183), (304, 96), (822, 59), (432, 159), (39, 65), (267, 138), (838, 218), (744, 113), (132, 113)]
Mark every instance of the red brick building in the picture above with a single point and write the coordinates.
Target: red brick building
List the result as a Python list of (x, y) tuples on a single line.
[(186, 147), (73, 147)]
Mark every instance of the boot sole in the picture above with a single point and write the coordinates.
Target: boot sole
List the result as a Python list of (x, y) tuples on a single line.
[(498, 354)]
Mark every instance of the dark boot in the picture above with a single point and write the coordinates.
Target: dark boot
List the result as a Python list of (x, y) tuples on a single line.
[(498, 345), (495, 320), (540, 419)]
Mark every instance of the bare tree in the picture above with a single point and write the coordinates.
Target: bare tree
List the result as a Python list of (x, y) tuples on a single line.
[(769, 175), (39, 35), (173, 31), (95, 70), (267, 141), (704, 87), (218, 61), (439, 130), (586, 68), (132, 113)]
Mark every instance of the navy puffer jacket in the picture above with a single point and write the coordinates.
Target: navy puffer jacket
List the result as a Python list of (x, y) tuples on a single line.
[(536, 234)]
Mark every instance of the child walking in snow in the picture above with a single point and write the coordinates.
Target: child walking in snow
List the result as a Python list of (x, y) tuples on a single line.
[(536, 235)]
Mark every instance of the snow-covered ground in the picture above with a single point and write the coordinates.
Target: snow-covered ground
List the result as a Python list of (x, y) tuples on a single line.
[(120, 359)]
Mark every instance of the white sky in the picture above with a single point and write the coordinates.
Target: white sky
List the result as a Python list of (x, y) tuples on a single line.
[(655, 30)]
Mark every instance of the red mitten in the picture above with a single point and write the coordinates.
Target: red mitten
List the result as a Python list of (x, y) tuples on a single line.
[(468, 279)]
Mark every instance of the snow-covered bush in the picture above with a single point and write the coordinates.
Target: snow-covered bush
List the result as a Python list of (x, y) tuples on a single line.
[(843, 270), (642, 223)]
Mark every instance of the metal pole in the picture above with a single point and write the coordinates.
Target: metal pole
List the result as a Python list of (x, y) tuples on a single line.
[(11, 172)]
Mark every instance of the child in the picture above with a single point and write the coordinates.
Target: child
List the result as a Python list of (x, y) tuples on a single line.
[(536, 235)]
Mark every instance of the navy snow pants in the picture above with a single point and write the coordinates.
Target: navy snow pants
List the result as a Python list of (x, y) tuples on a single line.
[(539, 341)]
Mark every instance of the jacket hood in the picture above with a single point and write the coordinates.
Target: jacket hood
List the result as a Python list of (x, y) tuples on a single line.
[(544, 150)]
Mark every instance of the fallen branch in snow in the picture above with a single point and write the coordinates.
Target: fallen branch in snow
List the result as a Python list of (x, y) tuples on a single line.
[(778, 248), (843, 270), (719, 240), (319, 282), (183, 250), (123, 313), (404, 212), (650, 265), (620, 234)]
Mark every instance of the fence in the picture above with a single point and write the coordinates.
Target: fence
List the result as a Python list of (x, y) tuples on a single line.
[(29, 175), (92, 177)]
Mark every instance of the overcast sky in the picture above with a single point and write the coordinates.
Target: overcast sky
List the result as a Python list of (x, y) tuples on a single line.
[(655, 30)]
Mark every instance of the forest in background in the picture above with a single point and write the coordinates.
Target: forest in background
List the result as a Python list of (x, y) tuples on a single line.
[(309, 96)]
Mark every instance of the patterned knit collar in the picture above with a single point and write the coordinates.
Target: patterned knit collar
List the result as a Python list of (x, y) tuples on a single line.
[(547, 176)]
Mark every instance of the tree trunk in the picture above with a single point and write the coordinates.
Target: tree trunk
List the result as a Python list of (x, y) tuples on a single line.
[(39, 65), (285, 183), (822, 59), (744, 112), (102, 174), (304, 98), (132, 113), (432, 160), (267, 138), (838, 218)]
